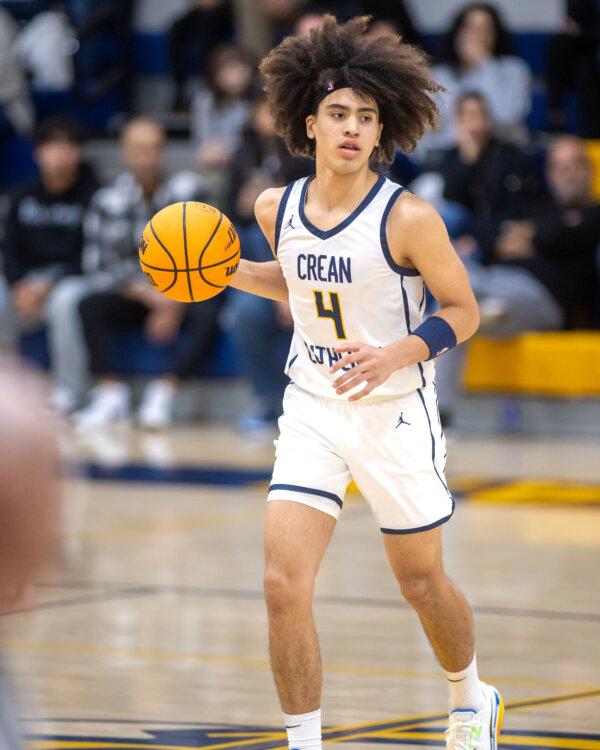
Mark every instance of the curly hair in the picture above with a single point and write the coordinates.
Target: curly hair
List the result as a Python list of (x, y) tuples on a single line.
[(394, 74)]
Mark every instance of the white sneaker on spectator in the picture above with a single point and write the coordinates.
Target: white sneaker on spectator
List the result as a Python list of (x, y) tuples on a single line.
[(156, 409), (62, 400), (109, 402)]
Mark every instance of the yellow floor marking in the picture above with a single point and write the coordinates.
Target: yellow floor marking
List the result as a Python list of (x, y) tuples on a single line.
[(259, 663), (539, 492), (265, 735)]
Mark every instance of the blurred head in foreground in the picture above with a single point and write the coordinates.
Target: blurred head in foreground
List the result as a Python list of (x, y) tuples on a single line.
[(29, 485)]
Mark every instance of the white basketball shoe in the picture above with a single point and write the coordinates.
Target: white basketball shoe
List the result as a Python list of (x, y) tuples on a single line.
[(469, 730)]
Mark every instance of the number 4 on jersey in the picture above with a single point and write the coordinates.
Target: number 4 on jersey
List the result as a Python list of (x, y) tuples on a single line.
[(334, 312)]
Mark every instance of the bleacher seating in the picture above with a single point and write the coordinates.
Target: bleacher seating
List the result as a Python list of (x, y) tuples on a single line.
[(561, 365)]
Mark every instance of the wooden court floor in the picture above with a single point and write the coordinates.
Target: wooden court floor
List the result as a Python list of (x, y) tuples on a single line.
[(150, 632)]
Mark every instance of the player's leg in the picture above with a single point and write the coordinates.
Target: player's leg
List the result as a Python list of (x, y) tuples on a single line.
[(416, 561), (305, 499), (476, 709), (296, 537), (402, 477)]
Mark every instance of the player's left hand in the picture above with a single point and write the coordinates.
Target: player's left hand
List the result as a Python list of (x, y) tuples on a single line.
[(370, 364)]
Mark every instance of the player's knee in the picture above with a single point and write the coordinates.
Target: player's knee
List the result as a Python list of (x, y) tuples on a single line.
[(286, 590), (418, 589)]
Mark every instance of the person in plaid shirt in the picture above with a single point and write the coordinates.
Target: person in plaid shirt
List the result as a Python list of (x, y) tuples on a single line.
[(117, 297)]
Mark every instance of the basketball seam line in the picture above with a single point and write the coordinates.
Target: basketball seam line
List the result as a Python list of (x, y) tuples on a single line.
[(204, 249), (181, 270), (171, 258), (185, 250)]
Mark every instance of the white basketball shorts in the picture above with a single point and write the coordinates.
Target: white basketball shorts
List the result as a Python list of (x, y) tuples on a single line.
[(394, 450)]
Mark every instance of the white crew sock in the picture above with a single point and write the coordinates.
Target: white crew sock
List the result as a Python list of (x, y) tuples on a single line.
[(465, 688), (304, 730)]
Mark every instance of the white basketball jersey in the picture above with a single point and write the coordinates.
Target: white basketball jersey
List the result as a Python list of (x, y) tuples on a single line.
[(344, 285)]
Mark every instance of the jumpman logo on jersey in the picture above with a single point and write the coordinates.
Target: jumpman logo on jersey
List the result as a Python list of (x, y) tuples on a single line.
[(401, 420), (290, 225)]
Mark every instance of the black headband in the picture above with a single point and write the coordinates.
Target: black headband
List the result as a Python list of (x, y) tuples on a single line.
[(337, 81)]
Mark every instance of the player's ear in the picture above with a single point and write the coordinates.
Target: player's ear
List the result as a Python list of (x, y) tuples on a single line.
[(310, 126), (380, 131)]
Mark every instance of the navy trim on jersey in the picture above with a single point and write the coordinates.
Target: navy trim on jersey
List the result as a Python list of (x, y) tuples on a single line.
[(421, 528), (409, 329), (292, 360), (432, 441), (308, 491), (383, 238), (280, 213), (324, 234)]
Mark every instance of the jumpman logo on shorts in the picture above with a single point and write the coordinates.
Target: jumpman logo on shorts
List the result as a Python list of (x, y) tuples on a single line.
[(401, 420), (289, 225)]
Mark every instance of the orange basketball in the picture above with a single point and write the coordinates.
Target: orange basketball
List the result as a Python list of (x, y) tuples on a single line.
[(189, 251)]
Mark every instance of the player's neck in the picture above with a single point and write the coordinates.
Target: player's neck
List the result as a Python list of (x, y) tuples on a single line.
[(331, 190)]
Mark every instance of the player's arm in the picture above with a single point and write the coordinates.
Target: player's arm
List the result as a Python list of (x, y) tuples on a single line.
[(418, 239), (264, 279)]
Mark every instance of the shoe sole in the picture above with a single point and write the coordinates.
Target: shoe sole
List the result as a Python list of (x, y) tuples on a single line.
[(497, 718)]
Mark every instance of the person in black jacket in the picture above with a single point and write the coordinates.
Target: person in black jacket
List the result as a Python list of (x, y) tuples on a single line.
[(43, 239), (542, 274), (489, 178)]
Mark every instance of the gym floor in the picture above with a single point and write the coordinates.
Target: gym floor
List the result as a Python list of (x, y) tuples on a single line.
[(151, 629)]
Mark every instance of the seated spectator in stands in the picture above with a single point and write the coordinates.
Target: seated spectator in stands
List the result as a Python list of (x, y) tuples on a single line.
[(485, 179), (542, 275), (221, 106), (310, 19), (45, 47), (16, 112), (261, 327), (281, 16), (574, 65), (43, 242), (122, 298), (476, 56), (192, 38), (103, 59), (388, 17), (262, 151)]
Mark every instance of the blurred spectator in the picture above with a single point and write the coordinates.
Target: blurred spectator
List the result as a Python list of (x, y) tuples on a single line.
[(307, 21), (30, 492), (281, 15), (261, 328), (574, 64), (46, 46), (114, 223), (192, 38), (542, 275), (103, 66), (261, 152), (388, 17), (44, 240), (221, 106), (29, 509), (16, 112), (476, 56), (485, 179)]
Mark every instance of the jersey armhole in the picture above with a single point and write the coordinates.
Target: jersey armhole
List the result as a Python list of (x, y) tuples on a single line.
[(280, 214), (401, 270)]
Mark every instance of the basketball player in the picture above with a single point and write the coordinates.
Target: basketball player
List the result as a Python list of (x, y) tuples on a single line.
[(354, 253)]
